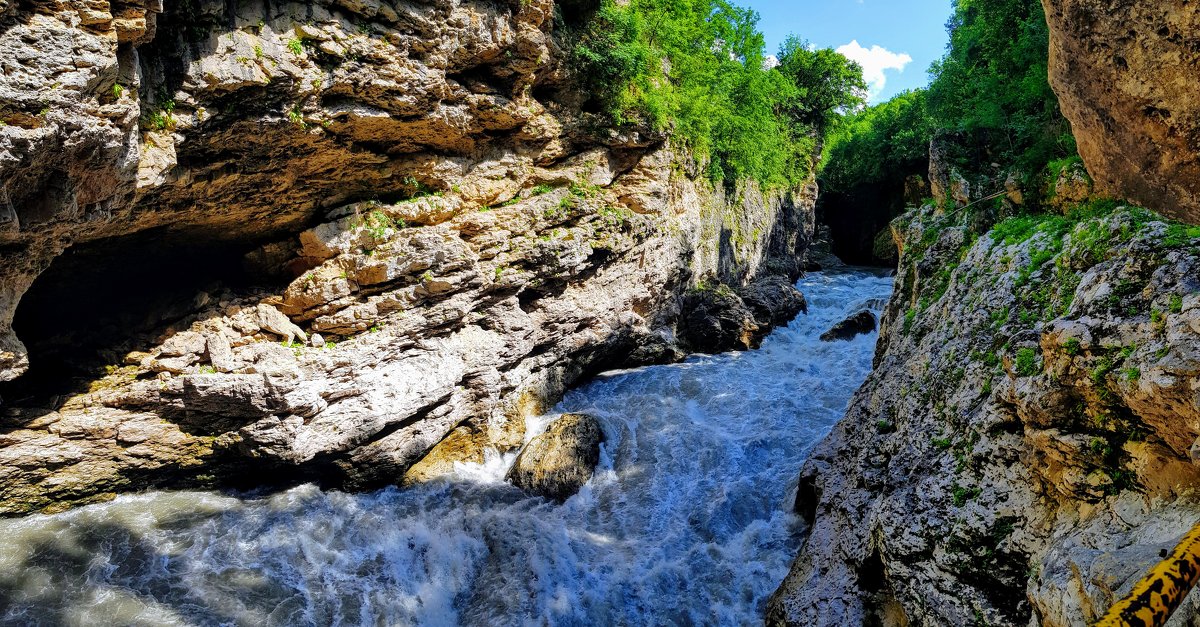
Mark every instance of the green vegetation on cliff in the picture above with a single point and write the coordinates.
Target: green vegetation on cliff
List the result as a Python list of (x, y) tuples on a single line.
[(699, 69), (879, 145), (993, 83), (990, 91)]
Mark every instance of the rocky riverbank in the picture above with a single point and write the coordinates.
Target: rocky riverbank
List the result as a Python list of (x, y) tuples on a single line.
[(288, 242), (1023, 450)]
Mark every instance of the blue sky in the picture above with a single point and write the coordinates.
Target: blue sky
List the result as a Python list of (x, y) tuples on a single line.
[(909, 33)]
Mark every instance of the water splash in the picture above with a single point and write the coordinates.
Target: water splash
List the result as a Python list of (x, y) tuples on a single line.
[(686, 521)]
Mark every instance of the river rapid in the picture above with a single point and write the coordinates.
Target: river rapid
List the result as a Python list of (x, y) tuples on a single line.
[(687, 520)]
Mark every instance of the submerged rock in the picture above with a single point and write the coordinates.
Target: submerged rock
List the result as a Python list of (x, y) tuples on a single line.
[(558, 462), (860, 323)]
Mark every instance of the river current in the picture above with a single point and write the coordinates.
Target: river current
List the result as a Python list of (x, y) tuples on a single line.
[(687, 520)]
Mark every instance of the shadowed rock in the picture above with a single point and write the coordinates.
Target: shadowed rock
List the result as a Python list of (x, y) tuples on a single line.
[(774, 300), (558, 462), (860, 323)]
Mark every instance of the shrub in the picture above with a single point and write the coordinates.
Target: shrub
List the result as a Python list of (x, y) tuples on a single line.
[(1027, 363)]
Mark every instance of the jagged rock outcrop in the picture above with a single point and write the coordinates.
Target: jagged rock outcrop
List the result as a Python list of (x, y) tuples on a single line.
[(314, 239), (1125, 75), (716, 318), (557, 463), (1021, 453)]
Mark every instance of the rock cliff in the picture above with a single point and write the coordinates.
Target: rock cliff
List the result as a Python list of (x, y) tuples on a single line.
[(244, 243), (1125, 74), (1026, 445)]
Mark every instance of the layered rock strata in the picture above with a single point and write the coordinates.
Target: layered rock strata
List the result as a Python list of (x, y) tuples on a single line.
[(1024, 449), (278, 242)]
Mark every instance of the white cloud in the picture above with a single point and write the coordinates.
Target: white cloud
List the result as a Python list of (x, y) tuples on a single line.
[(875, 61)]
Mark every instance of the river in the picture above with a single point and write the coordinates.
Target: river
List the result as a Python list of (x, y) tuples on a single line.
[(686, 521)]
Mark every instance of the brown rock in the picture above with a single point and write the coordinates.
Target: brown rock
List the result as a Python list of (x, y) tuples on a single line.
[(1125, 74), (557, 463)]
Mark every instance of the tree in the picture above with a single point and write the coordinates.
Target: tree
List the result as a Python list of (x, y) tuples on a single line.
[(827, 83)]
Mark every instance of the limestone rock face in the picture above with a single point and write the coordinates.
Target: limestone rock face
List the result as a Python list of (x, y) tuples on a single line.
[(280, 242), (857, 324), (1022, 452), (1125, 74), (557, 463)]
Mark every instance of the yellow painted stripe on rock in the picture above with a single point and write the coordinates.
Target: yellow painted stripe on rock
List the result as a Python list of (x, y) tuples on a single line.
[(1160, 592)]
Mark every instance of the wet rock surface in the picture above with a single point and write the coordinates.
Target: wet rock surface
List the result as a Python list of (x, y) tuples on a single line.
[(557, 463), (716, 318), (858, 324)]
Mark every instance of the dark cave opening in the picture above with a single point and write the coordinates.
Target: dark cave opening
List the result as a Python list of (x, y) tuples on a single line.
[(101, 300)]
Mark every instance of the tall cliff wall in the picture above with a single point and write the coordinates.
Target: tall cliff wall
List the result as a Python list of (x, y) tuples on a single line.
[(1125, 73), (271, 241), (1026, 446)]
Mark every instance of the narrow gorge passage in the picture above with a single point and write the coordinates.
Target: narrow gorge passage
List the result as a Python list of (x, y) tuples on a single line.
[(687, 520)]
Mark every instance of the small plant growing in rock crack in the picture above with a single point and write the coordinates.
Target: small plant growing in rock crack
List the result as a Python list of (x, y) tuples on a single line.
[(962, 495), (377, 224), (1072, 347), (885, 427), (117, 91), (541, 190), (1158, 320), (584, 190), (1176, 304), (910, 318), (295, 117), (1133, 374), (1027, 364), (375, 329), (208, 370), (296, 46), (164, 117), (426, 276), (258, 52), (941, 443)]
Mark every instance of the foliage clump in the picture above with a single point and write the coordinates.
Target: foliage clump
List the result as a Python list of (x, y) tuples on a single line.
[(699, 69)]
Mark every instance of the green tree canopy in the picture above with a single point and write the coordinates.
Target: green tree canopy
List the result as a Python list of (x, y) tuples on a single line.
[(697, 67), (827, 83), (993, 83)]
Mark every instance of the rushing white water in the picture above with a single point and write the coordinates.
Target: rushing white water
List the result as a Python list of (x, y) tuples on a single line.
[(686, 521)]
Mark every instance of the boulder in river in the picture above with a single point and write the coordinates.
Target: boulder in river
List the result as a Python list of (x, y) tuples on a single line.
[(859, 324), (774, 300), (558, 462), (715, 320)]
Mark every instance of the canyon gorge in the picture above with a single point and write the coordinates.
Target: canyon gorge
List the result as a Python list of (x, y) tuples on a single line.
[(392, 296)]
